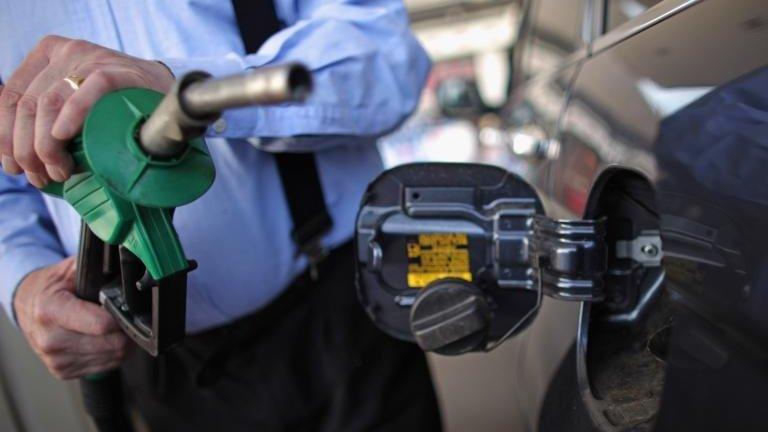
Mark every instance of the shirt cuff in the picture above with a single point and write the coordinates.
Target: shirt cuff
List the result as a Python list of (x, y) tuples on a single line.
[(15, 266)]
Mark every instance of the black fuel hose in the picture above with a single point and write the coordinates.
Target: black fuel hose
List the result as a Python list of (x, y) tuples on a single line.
[(102, 393)]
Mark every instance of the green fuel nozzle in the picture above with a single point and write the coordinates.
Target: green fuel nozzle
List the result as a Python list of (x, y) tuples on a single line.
[(141, 154)]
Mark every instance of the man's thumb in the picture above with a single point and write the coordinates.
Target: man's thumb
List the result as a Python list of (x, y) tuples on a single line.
[(68, 269)]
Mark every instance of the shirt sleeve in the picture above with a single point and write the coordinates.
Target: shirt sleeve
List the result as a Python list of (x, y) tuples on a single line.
[(368, 70), (27, 236)]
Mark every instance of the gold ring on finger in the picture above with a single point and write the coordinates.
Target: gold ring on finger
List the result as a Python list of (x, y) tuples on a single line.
[(74, 81)]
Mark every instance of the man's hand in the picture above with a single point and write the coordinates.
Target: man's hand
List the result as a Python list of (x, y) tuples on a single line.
[(40, 112), (73, 337)]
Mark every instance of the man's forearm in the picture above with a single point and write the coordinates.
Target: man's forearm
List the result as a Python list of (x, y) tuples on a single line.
[(367, 67)]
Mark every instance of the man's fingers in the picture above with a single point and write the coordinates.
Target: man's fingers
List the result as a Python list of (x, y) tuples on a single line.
[(60, 341), (33, 146), (24, 139), (51, 151), (70, 366), (114, 343), (9, 98), (70, 271), (81, 316), (49, 91), (66, 270), (96, 85), (35, 62), (10, 166), (94, 368), (65, 265), (38, 180)]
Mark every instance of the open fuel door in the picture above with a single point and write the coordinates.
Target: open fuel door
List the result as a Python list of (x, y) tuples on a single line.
[(456, 257)]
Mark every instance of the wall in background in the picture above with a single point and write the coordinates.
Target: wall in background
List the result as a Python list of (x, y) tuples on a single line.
[(30, 398)]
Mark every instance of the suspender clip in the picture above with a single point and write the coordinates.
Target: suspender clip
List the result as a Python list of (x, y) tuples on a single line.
[(316, 253)]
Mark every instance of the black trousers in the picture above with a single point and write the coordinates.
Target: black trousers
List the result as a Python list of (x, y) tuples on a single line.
[(310, 361)]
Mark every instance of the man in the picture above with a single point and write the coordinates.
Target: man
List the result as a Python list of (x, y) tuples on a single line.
[(269, 347)]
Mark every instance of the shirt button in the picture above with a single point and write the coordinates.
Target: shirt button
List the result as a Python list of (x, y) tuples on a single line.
[(220, 125)]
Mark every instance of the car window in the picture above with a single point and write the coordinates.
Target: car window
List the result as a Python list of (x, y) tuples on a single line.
[(551, 31), (559, 23), (617, 12)]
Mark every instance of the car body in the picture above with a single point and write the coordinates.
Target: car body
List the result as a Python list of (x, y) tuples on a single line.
[(654, 116)]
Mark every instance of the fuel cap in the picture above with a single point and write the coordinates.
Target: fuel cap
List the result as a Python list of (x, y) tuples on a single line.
[(451, 316)]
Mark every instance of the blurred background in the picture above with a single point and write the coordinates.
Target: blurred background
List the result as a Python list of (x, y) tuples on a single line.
[(471, 44)]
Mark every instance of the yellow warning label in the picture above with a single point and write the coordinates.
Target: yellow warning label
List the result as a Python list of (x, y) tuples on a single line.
[(437, 256)]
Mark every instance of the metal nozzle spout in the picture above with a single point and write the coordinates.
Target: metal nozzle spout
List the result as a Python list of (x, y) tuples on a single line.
[(266, 86), (196, 101)]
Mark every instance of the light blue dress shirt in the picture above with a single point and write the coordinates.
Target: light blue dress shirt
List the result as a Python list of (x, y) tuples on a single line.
[(368, 72)]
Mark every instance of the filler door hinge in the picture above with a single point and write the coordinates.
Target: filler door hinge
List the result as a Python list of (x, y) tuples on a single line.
[(569, 257)]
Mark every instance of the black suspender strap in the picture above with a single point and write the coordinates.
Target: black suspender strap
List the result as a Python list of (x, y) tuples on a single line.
[(301, 185), (257, 21)]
